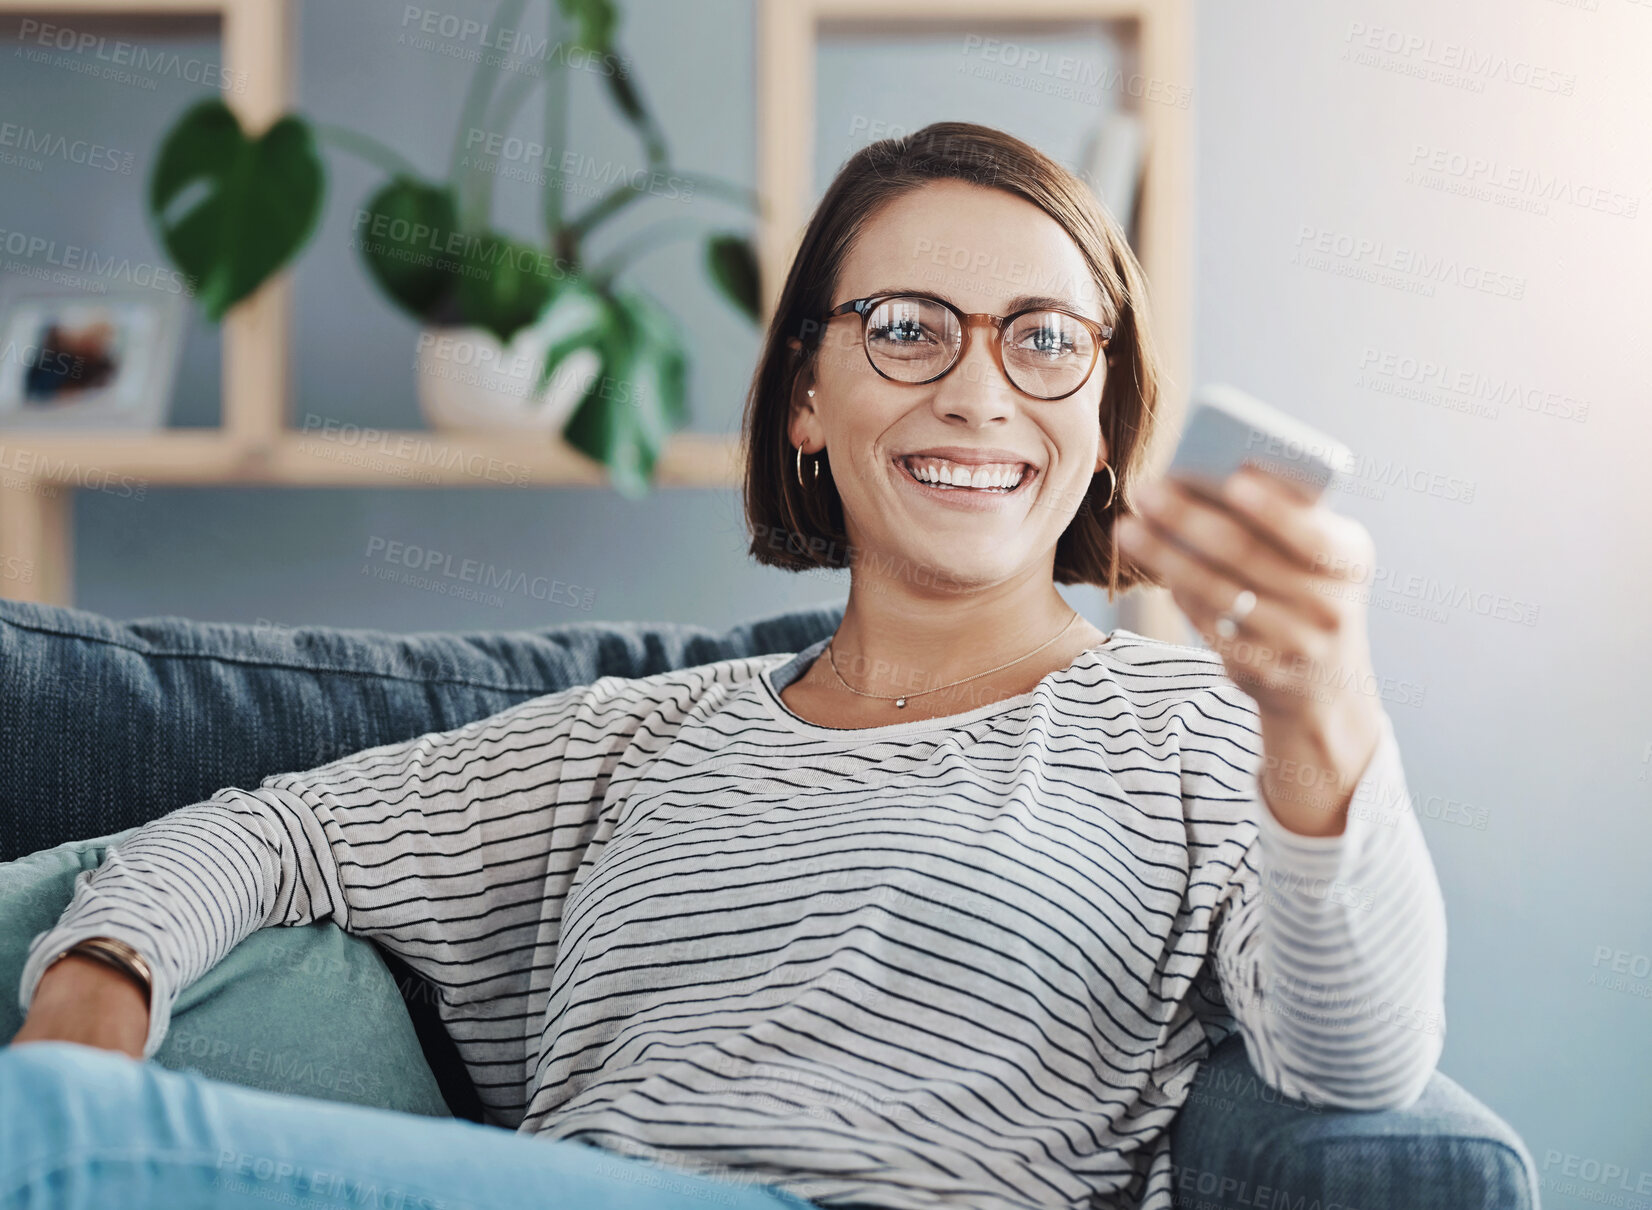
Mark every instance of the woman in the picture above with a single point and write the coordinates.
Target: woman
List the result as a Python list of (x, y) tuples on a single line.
[(947, 918)]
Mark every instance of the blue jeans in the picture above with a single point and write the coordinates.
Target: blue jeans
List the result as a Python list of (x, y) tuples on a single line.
[(90, 1128)]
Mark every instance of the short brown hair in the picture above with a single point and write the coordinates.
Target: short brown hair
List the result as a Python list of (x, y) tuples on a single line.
[(811, 520)]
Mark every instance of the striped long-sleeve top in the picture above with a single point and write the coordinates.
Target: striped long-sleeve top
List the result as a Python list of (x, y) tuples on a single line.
[(971, 962)]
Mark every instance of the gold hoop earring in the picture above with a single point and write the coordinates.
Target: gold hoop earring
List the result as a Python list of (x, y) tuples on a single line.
[(1115, 488), (816, 462)]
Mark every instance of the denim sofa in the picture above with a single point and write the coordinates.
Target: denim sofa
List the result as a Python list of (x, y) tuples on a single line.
[(105, 725)]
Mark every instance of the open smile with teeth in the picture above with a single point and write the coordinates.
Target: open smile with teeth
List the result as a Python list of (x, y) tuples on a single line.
[(1002, 477)]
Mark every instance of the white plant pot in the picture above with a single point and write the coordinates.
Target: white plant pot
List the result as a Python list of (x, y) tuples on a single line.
[(469, 381)]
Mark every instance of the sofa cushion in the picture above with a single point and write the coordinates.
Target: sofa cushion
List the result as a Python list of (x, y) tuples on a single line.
[(309, 1011), (108, 724)]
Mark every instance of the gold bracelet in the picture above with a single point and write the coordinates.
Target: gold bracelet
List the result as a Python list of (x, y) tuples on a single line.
[(116, 954)]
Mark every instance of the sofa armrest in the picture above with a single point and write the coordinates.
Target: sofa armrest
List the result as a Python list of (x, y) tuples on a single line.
[(1236, 1134)]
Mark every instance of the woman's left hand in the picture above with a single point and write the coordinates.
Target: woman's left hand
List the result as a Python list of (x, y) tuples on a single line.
[(1302, 652)]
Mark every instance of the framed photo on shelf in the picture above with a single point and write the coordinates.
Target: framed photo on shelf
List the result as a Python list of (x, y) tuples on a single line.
[(76, 360)]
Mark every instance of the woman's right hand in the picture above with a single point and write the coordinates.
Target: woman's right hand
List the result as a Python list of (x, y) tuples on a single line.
[(83, 1000)]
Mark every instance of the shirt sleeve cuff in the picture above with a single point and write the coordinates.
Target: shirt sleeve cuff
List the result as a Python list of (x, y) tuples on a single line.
[(45, 949), (1377, 799)]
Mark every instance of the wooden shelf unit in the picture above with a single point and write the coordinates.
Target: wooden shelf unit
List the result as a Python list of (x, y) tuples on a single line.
[(255, 444), (386, 458)]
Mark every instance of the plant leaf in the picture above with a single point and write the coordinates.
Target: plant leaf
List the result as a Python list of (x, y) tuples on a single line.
[(578, 317), (594, 22), (732, 262), (505, 284), (232, 210), (410, 244), (626, 418)]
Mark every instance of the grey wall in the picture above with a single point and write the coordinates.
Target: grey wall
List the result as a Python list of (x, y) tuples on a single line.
[(1540, 734), (1503, 437)]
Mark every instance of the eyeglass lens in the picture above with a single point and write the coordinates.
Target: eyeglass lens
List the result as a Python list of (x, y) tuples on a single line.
[(1046, 353)]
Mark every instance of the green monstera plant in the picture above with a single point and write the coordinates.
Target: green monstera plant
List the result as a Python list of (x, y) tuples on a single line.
[(231, 210)]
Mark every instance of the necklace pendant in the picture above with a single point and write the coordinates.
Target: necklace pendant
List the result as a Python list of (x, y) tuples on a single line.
[(900, 703)]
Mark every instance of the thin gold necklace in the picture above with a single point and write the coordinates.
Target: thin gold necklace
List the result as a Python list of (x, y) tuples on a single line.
[(900, 699)]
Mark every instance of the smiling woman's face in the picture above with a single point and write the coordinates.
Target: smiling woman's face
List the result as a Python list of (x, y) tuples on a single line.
[(1008, 249)]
